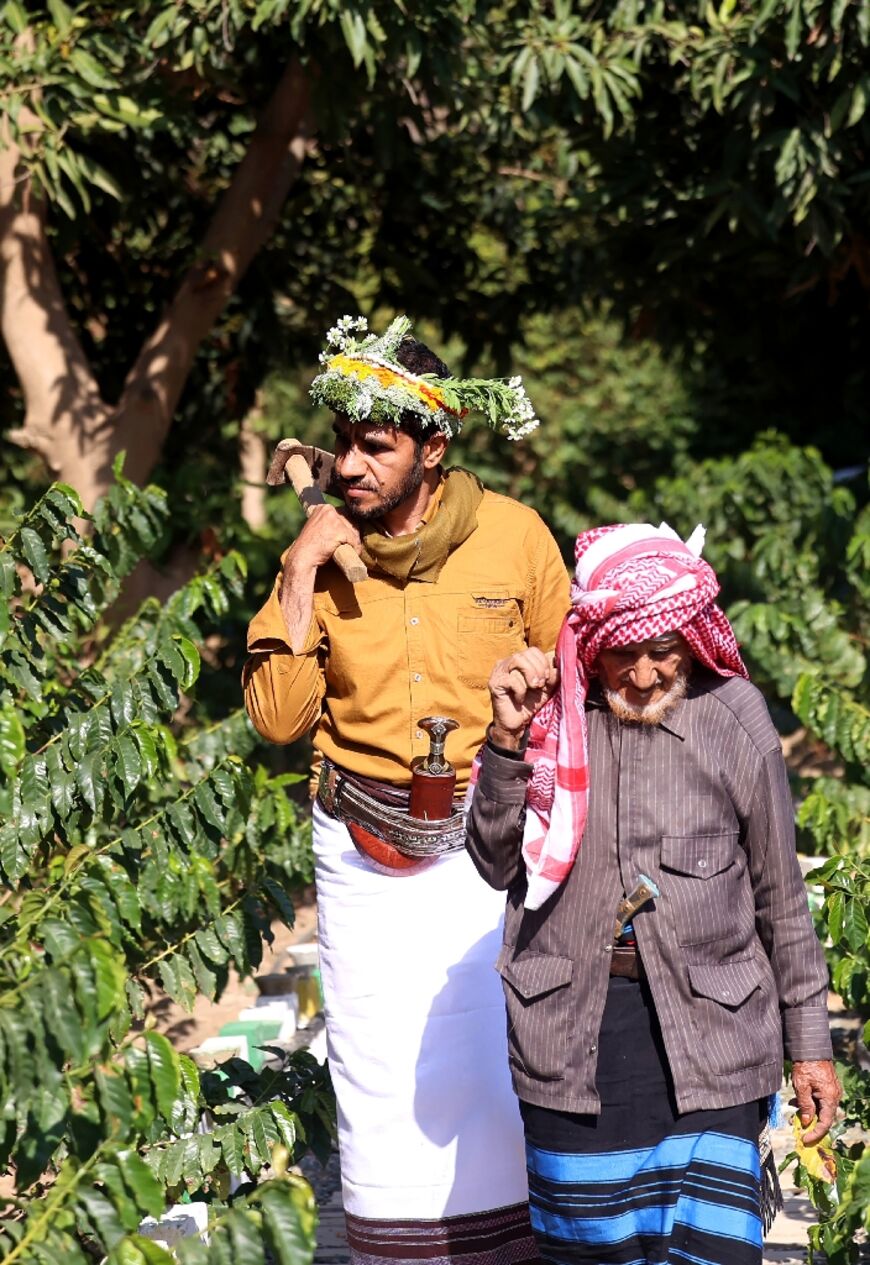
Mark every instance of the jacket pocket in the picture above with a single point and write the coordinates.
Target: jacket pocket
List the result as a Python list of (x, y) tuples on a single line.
[(489, 629), (729, 983), (703, 885), (702, 856), (735, 1011), (537, 993)]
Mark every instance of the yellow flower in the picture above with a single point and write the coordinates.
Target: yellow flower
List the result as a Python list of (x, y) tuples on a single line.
[(362, 369)]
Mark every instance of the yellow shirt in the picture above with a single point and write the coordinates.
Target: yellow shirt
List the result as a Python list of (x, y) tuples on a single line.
[(381, 655)]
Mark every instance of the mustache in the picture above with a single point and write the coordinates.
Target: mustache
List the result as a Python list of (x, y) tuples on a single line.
[(648, 713), (356, 484)]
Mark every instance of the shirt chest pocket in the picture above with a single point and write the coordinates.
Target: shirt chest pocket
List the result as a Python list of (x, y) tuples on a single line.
[(702, 882), (702, 856), (488, 629)]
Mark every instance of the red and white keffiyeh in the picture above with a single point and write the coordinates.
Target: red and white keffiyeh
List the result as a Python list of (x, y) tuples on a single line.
[(631, 582)]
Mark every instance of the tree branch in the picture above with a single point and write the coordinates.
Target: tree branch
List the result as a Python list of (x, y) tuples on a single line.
[(244, 220), (45, 352)]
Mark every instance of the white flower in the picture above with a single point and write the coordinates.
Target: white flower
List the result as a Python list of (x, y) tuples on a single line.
[(520, 426), (341, 333), (349, 323)]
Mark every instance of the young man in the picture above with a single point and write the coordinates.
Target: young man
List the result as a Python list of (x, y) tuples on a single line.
[(653, 971), (430, 1137)]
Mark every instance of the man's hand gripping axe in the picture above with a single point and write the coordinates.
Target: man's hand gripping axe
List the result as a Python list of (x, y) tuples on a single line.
[(310, 471)]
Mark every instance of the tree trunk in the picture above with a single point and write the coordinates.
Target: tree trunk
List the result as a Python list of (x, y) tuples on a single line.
[(65, 414), (67, 421), (253, 460)]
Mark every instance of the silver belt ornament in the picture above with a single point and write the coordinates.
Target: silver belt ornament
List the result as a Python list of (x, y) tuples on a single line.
[(345, 800)]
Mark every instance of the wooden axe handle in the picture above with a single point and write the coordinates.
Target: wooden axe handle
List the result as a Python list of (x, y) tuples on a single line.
[(345, 558)]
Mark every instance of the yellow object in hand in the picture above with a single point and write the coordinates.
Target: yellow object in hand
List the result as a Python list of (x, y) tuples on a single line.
[(819, 1160)]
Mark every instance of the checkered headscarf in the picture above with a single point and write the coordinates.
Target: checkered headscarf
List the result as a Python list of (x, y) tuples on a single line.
[(632, 582)]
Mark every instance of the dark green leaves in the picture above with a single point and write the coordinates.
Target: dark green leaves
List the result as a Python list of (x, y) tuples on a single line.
[(11, 740), (35, 554), (178, 980), (75, 588), (165, 1071), (289, 1222), (130, 861), (841, 721)]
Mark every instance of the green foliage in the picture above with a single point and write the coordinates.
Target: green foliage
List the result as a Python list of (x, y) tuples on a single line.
[(614, 415), (136, 848), (846, 882), (837, 814), (842, 1204), (698, 170), (541, 179), (738, 62), (701, 167), (781, 535)]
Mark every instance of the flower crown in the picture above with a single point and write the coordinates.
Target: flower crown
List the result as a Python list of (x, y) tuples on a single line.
[(363, 379)]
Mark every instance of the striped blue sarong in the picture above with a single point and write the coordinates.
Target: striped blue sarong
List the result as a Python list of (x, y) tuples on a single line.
[(640, 1184), (692, 1199)]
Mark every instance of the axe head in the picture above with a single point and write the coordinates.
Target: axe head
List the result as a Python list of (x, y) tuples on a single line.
[(320, 463)]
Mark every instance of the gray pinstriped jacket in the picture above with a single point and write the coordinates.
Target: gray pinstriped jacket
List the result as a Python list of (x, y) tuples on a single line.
[(701, 804)]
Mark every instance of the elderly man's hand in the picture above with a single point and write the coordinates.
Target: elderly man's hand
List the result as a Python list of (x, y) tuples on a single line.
[(817, 1091), (519, 687)]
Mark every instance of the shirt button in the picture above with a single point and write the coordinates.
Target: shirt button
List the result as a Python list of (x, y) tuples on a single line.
[(702, 864), (414, 621), (593, 1047), (608, 948), (419, 733), (417, 676)]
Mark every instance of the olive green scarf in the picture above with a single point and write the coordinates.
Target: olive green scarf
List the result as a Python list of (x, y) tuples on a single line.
[(421, 554)]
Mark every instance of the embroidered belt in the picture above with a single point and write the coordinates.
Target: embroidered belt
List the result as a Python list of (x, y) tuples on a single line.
[(380, 825)]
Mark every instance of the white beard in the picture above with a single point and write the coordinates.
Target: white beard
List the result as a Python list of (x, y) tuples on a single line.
[(649, 713)]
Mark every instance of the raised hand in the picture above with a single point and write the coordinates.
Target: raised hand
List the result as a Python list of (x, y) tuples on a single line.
[(323, 531), (519, 687)]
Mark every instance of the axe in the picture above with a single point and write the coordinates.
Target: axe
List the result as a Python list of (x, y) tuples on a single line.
[(310, 471)]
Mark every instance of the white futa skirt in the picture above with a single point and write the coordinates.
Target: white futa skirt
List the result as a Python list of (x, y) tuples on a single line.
[(428, 1123)]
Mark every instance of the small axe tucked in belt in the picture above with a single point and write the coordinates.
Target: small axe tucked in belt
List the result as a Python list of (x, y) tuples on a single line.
[(624, 958)]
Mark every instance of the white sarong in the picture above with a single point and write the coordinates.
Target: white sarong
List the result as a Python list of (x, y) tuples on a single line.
[(428, 1123)]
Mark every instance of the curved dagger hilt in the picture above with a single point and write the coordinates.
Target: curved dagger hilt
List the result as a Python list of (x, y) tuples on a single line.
[(437, 727)]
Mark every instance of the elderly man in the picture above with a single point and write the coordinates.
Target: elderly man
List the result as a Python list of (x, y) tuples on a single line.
[(431, 1140), (658, 949)]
